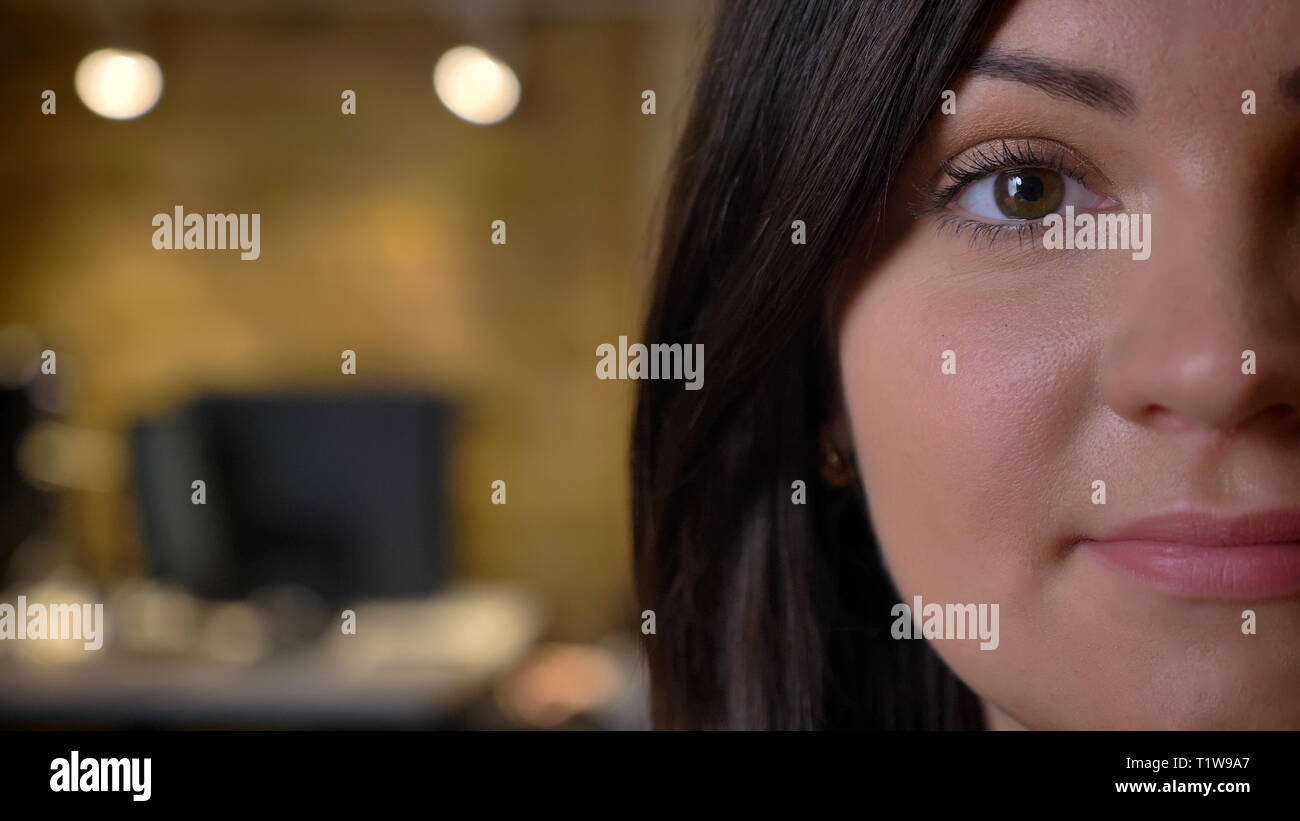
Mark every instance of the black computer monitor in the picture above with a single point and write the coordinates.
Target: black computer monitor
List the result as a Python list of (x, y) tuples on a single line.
[(345, 495)]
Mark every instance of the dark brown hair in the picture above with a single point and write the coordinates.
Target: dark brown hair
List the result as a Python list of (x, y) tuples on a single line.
[(771, 614)]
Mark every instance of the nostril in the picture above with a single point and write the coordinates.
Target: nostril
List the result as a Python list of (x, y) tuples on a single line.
[(1160, 417), (1281, 415)]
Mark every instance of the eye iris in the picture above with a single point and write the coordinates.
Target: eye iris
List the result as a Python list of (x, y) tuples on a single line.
[(1028, 194)]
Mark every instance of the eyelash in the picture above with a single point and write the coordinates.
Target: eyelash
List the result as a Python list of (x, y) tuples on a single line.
[(983, 161)]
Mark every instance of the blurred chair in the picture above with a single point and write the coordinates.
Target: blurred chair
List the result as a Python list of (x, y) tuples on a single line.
[(22, 507)]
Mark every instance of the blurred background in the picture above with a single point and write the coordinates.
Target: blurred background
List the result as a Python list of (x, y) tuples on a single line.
[(127, 373)]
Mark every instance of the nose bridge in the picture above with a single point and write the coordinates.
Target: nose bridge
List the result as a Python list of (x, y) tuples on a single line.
[(1206, 330)]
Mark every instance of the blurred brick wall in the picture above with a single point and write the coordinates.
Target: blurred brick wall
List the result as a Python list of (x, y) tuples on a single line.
[(375, 238)]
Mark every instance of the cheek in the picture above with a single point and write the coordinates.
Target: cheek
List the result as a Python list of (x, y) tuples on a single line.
[(961, 470), (963, 465)]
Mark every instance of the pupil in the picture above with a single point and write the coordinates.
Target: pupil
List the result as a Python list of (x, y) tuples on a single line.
[(1027, 189)]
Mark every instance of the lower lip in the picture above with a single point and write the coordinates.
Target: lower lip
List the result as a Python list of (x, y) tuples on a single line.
[(1201, 572)]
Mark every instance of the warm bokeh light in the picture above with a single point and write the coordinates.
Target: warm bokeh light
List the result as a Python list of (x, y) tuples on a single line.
[(52, 649), (53, 455), (119, 84), (558, 683), (476, 86)]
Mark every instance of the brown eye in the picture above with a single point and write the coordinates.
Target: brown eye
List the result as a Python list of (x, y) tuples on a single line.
[(1028, 193)]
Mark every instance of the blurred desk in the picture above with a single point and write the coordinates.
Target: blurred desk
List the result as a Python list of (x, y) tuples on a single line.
[(411, 663)]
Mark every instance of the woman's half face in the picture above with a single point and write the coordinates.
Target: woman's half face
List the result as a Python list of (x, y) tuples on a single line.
[(1110, 449)]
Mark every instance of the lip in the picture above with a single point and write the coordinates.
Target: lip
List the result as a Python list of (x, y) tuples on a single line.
[(1206, 556)]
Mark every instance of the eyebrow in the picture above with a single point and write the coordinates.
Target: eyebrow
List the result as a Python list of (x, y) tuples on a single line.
[(1092, 88)]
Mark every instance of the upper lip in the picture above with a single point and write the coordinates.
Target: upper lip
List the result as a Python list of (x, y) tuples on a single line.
[(1277, 526)]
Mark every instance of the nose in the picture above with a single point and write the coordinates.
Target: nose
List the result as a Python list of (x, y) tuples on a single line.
[(1217, 302)]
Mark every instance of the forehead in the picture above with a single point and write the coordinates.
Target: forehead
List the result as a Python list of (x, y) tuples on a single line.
[(1172, 54)]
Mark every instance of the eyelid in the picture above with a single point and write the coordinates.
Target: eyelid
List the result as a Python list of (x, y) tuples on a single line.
[(992, 156)]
